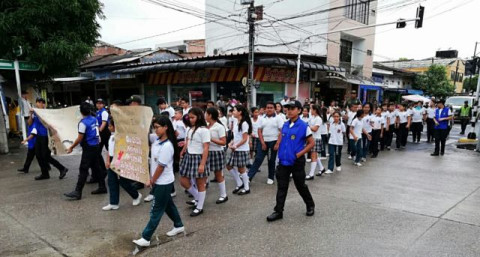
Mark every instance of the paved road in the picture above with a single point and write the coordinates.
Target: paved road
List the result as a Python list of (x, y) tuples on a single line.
[(404, 203)]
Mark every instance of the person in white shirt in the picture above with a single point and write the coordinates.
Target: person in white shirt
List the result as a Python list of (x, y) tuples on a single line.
[(385, 117), (268, 132), (161, 181), (163, 107), (114, 180), (367, 125), (280, 112), (237, 164), (402, 126), (26, 106), (284, 101), (430, 122), (305, 115), (315, 124), (349, 115), (336, 130), (180, 133), (356, 131), (194, 162), (185, 107), (324, 133), (216, 154), (390, 125), (254, 141), (419, 116), (378, 123)]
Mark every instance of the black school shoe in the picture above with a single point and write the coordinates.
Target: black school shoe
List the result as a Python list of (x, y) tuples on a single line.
[(23, 170), (310, 211), (244, 192), (99, 191), (222, 200), (42, 177), (275, 216), (63, 173), (196, 212), (237, 189), (434, 154), (74, 195)]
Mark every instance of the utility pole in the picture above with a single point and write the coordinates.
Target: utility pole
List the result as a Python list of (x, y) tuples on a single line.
[(251, 90), (455, 78), (475, 64)]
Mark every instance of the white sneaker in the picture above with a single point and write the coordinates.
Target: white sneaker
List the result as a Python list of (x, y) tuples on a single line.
[(148, 198), (175, 231), (270, 181), (339, 168), (110, 207), (328, 172), (309, 160), (328, 154), (173, 194), (138, 200), (358, 164), (349, 157), (141, 242), (323, 158), (364, 159)]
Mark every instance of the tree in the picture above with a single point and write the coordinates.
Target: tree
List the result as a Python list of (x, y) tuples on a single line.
[(434, 82), (470, 85), (57, 34), (403, 59)]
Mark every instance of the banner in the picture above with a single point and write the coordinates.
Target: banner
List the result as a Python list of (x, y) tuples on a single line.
[(132, 126), (62, 125)]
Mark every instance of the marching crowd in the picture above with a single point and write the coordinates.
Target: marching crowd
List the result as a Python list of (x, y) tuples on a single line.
[(197, 142)]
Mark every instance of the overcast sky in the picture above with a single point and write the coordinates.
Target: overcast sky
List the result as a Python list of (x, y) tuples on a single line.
[(449, 24)]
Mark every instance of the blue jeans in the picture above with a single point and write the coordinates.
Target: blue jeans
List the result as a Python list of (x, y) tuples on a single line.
[(162, 203), (335, 152), (366, 145), (114, 183), (356, 148), (260, 156), (325, 144)]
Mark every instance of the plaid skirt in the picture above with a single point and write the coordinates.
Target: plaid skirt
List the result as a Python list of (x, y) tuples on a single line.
[(189, 166), (239, 159), (317, 148), (255, 141), (216, 160)]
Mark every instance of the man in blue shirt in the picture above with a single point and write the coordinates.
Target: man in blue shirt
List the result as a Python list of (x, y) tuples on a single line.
[(31, 150), (102, 121), (42, 152), (443, 115), (89, 139), (295, 141)]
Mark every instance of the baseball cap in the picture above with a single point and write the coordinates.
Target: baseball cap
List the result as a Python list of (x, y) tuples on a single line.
[(441, 101), (294, 103), (40, 99), (134, 98), (100, 100)]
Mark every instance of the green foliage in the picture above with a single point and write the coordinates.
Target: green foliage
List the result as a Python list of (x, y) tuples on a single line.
[(57, 34), (434, 82), (403, 59), (470, 85)]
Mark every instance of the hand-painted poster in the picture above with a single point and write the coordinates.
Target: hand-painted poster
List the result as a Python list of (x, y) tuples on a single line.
[(62, 125), (132, 126)]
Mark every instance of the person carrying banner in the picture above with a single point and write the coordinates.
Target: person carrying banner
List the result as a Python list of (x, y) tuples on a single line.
[(88, 138)]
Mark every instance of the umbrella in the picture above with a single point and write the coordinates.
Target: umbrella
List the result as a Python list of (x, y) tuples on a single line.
[(416, 98)]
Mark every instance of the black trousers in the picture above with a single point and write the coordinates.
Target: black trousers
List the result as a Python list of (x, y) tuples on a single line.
[(389, 135), (402, 133), (283, 180), (430, 128), (417, 128), (375, 139), (28, 161), (440, 140), (44, 157), (90, 161), (104, 137), (349, 150), (464, 122)]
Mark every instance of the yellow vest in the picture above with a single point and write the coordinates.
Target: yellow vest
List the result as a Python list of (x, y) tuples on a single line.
[(465, 111)]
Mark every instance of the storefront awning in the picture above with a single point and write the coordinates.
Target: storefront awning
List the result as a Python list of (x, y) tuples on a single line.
[(415, 92), (191, 65)]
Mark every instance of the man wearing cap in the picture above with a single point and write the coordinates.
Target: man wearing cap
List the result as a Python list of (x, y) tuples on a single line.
[(102, 122), (295, 141), (42, 152), (284, 100), (465, 116), (442, 116), (134, 100)]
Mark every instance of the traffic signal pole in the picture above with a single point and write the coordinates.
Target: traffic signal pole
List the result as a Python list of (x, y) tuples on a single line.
[(251, 90)]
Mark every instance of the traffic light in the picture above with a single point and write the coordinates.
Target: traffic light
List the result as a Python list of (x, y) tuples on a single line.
[(419, 21), (401, 23)]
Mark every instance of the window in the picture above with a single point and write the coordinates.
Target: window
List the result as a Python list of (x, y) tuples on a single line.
[(345, 51), (452, 75), (358, 10)]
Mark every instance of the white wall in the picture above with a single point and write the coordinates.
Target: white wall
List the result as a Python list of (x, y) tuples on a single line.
[(233, 38)]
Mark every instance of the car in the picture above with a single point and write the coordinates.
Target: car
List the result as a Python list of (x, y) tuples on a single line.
[(457, 102)]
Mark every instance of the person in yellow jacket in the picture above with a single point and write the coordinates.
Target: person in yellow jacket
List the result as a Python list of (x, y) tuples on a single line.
[(465, 116)]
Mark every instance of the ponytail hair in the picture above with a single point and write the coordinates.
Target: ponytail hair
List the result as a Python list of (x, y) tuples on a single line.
[(245, 118), (165, 121), (359, 114), (212, 111)]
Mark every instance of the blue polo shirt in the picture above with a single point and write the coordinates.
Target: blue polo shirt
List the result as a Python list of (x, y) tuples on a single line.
[(89, 128), (38, 128), (294, 138), (102, 115), (31, 142), (442, 113)]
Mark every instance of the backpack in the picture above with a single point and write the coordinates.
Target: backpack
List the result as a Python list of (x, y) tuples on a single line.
[(472, 135)]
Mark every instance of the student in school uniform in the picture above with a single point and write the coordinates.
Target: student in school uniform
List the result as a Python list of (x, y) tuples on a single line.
[(102, 122), (216, 154), (378, 123), (419, 116), (305, 115), (164, 151), (163, 107), (256, 121), (89, 139), (30, 152), (356, 131), (324, 133), (242, 128), (42, 152), (350, 114), (115, 181), (194, 162), (402, 125), (430, 122), (384, 116), (280, 112), (184, 105), (335, 142), (390, 125), (367, 125), (314, 125), (268, 134)]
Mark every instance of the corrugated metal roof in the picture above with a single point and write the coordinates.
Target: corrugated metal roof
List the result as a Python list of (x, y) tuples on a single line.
[(419, 63)]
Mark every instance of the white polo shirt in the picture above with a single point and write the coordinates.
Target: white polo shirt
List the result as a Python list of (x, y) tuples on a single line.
[(367, 123), (430, 113), (357, 128), (238, 136), (417, 114), (271, 127), (217, 131), (316, 121), (336, 133), (378, 121), (255, 126), (169, 109), (111, 145), (162, 155), (403, 116), (179, 126), (350, 117), (195, 144)]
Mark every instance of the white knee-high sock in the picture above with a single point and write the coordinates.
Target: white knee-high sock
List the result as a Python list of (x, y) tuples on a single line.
[(223, 189), (246, 181), (201, 199), (236, 177), (193, 191), (313, 165), (320, 165)]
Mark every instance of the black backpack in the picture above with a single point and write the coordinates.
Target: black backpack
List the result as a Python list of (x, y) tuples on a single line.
[(472, 135)]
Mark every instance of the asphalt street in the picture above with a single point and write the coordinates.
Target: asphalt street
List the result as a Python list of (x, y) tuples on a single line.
[(403, 203)]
